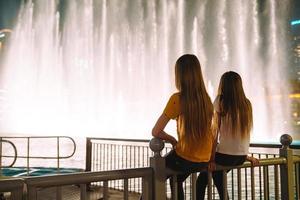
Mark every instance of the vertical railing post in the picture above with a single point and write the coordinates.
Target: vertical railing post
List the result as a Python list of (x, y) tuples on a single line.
[(0, 156), (88, 157), (298, 179), (17, 193), (158, 165), (28, 154), (83, 194), (31, 193), (58, 189), (194, 180), (286, 171), (147, 188)]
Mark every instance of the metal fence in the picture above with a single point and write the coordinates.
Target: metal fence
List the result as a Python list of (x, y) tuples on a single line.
[(29, 153), (285, 177), (33, 185), (12, 185), (84, 178), (276, 177), (110, 154)]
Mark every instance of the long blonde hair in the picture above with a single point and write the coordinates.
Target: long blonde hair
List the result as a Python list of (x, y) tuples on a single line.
[(234, 103), (195, 103)]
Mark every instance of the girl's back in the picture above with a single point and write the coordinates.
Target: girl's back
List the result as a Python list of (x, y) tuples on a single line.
[(235, 115)]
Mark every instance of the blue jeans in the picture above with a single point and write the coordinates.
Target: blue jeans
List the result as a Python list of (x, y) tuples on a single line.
[(184, 167)]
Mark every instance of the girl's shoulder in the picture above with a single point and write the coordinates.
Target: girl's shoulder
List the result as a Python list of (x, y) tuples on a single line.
[(172, 109), (175, 96)]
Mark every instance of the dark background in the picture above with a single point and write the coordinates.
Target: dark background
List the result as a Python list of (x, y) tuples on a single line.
[(8, 12), (296, 10)]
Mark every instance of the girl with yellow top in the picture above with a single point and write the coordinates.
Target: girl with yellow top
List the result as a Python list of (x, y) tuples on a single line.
[(192, 109)]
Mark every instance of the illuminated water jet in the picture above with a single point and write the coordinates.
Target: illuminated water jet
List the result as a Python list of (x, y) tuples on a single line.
[(105, 68)]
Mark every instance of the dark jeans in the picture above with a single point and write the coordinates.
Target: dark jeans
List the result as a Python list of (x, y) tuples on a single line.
[(184, 167), (220, 159)]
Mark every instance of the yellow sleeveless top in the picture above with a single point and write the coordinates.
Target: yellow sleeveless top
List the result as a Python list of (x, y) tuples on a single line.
[(195, 151)]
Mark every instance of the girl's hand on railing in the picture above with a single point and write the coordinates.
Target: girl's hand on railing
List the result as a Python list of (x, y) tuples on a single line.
[(254, 161), (211, 166), (174, 143)]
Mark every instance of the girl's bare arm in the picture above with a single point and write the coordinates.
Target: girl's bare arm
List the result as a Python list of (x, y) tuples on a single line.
[(158, 130)]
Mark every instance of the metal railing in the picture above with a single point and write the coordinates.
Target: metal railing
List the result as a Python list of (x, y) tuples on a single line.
[(14, 186), (28, 156), (110, 153), (114, 154), (14, 156), (83, 178), (104, 154), (284, 178), (34, 184)]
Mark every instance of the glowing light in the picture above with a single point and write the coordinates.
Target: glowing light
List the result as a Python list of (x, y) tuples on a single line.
[(112, 81), (2, 35), (294, 96), (295, 22)]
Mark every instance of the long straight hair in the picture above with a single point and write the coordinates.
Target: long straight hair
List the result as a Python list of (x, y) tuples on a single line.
[(195, 103), (234, 103)]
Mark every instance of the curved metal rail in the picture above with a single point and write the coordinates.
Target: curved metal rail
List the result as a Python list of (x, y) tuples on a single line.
[(15, 152), (58, 157), (43, 137)]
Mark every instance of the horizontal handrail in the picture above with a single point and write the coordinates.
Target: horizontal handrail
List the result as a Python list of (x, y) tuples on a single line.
[(87, 177), (294, 145), (247, 164), (8, 184), (296, 159), (262, 162), (14, 186), (43, 137), (119, 139)]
